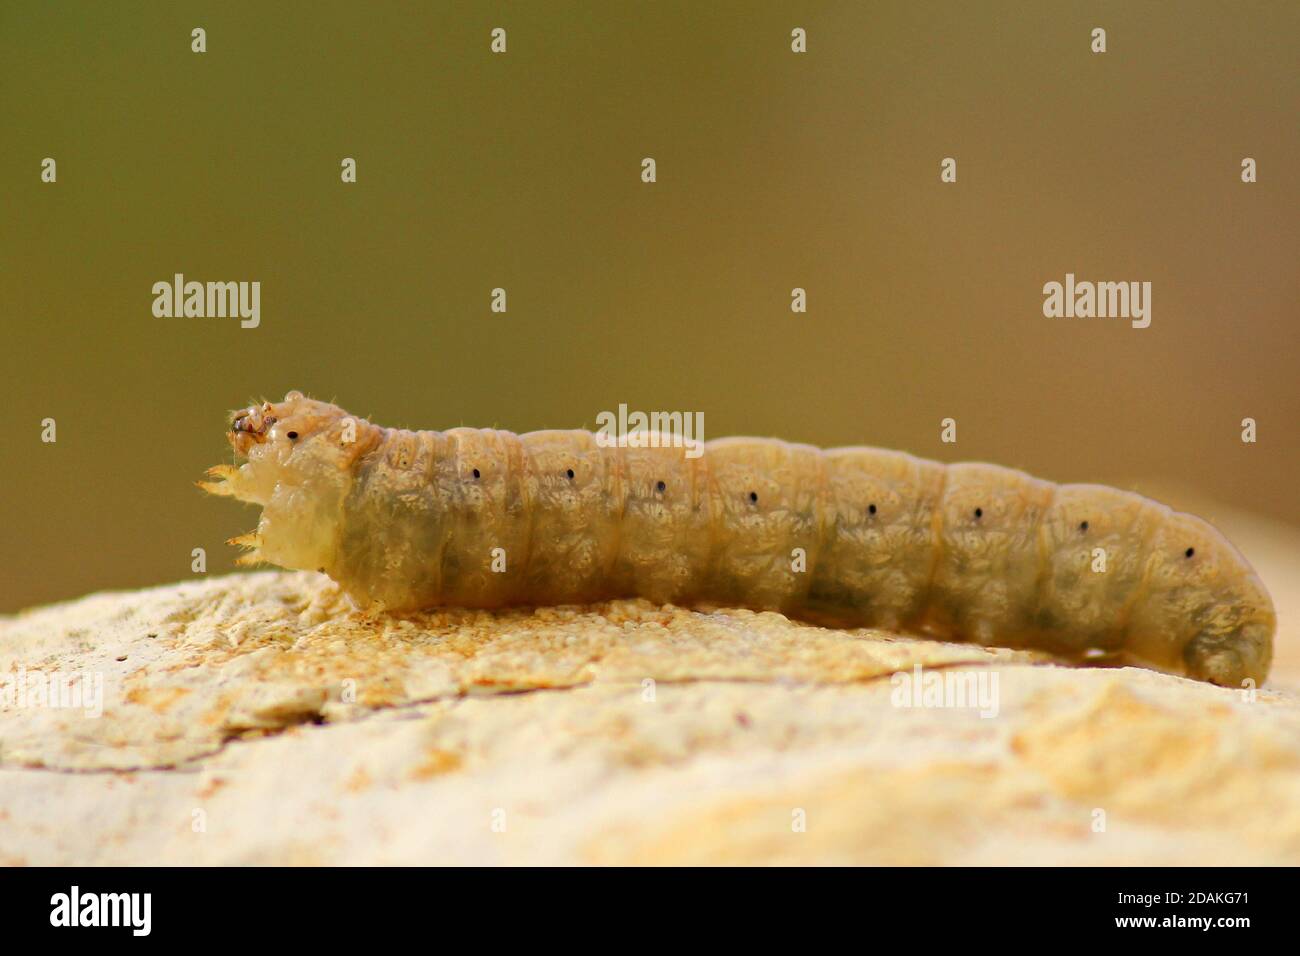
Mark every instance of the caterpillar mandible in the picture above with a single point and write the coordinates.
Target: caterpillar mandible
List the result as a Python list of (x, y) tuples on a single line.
[(852, 537)]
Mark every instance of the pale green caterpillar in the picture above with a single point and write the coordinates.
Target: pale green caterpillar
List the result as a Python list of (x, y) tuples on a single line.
[(849, 537)]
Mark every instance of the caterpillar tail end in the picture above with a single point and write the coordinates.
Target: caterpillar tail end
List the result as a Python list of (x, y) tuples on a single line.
[(1240, 661)]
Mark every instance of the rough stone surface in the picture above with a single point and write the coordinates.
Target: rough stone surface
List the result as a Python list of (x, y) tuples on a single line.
[(257, 719)]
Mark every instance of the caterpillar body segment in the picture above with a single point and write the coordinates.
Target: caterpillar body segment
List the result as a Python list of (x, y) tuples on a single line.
[(849, 537)]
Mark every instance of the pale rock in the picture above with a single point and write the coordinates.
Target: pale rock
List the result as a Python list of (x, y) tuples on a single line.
[(257, 719)]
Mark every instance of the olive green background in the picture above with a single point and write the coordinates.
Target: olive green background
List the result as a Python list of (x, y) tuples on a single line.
[(522, 170)]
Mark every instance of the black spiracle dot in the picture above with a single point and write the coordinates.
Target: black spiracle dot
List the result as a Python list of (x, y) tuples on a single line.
[(293, 436), (871, 509), (1083, 526), (570, 474), (660, 487), (1189, 552), (753, 497), (476, 474), (979, 512)]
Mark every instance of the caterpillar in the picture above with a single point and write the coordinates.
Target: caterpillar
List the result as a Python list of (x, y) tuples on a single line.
[(846, 537)]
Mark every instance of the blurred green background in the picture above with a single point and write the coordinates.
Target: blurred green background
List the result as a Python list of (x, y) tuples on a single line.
[(775, 170)]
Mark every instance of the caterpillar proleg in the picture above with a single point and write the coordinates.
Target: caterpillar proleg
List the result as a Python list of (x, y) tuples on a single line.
[(404, 520)]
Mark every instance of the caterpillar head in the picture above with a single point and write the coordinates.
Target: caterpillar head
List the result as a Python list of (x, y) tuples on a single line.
[(277, 429), (299, 455)]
